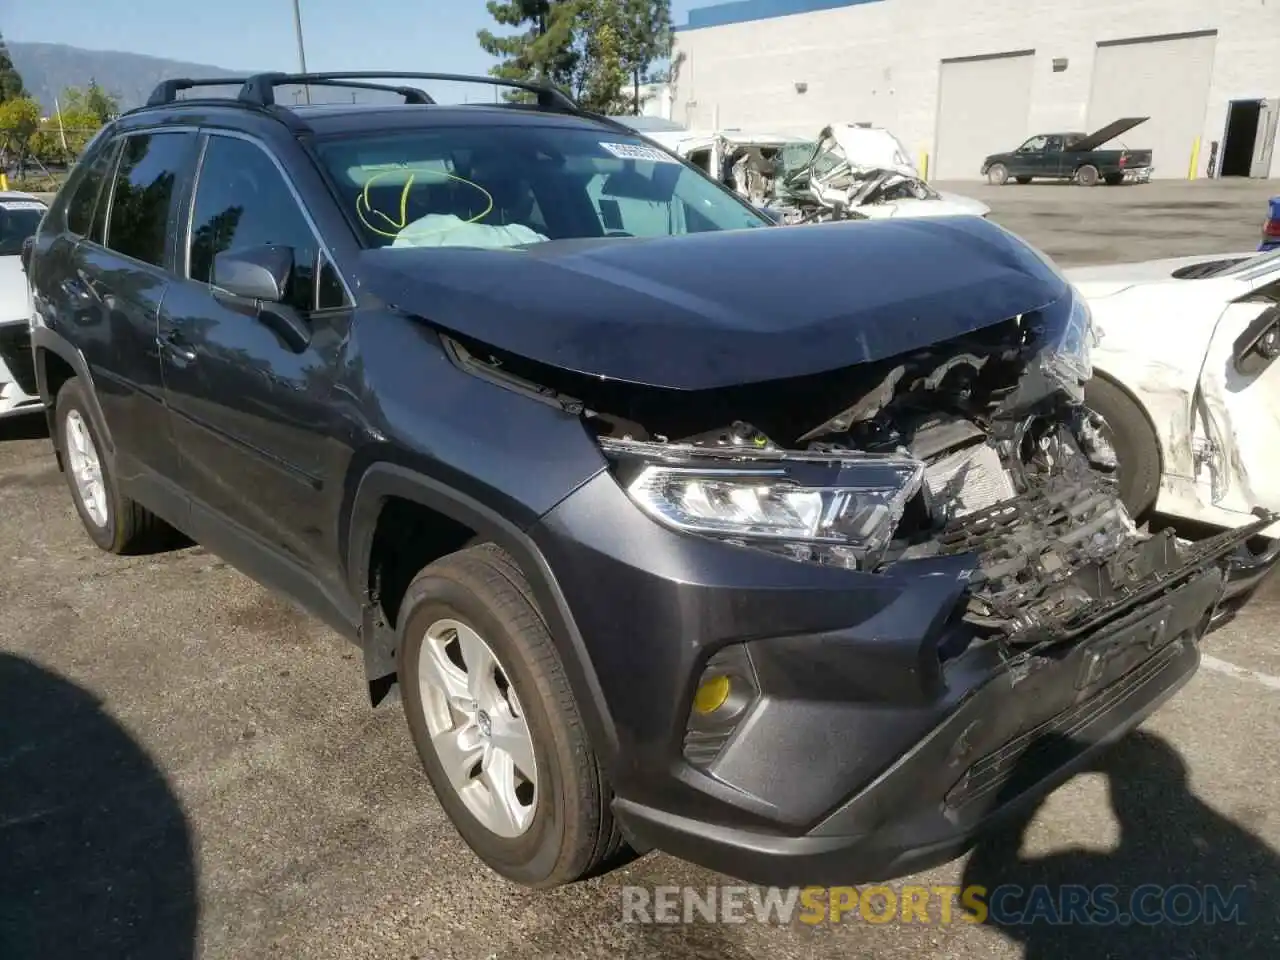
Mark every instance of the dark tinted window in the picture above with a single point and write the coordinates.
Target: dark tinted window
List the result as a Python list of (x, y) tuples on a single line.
[(80, 207), (145, 181), (243, 201), (330, 293)]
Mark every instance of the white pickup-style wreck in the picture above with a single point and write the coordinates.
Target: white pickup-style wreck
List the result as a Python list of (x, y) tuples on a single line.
[(850, 171)]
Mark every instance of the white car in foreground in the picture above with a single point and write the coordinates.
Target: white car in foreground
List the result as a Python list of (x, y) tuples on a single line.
[(1187, 380), (20, 214)]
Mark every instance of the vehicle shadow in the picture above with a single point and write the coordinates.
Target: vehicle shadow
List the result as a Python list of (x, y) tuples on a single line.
[(95, 854), (1167, 890), (27, 426)]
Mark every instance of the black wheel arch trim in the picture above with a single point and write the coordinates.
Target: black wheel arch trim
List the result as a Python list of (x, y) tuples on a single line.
[(383, 480), (43, 339)]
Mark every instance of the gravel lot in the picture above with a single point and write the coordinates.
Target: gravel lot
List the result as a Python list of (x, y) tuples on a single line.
[(188, 767)]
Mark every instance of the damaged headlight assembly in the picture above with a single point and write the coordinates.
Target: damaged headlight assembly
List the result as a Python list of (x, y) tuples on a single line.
[(1069, 353), (840, 508)]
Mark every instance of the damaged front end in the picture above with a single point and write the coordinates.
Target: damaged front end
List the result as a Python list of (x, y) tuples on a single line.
[(975, 446)]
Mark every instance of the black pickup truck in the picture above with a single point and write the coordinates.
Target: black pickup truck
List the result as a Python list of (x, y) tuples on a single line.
[(1072, 156)]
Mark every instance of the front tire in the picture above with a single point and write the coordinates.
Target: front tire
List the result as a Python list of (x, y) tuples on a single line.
[(997, 175), (496, 725), (114, 523), (1129, 432)]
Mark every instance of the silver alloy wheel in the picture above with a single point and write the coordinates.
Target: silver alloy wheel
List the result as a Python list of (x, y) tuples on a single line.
[(477, 728), (86, 468)]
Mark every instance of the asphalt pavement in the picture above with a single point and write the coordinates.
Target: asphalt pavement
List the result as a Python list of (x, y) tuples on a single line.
[(189, 767)]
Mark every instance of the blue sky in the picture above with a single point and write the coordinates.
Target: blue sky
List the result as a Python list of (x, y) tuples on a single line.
[(430, 35)]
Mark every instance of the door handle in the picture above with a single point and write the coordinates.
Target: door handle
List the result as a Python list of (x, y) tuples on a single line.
[(173, 344)]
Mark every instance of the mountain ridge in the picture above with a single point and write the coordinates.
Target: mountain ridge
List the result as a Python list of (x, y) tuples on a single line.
[(49, 68)]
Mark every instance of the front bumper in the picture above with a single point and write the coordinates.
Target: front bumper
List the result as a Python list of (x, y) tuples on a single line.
[(882, 742)]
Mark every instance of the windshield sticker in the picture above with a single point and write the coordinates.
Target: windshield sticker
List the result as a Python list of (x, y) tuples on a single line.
[(636, 151), (22, 205)]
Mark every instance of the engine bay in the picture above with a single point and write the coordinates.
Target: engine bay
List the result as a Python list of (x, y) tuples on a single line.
[(1015, 471)]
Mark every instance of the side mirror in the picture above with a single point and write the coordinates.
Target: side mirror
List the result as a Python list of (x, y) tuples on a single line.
[(261, 275), (28, 248), (1259, 345), (254, 273)]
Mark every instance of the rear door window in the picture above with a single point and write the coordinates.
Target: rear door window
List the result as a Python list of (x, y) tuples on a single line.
[(150, 167), (84, 199)]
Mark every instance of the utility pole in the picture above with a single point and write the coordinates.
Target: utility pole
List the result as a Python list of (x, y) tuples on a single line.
[(62, 131), (302, 54)]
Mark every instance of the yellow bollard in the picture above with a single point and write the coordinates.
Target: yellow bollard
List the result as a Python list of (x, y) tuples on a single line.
[(1195, 160), (924, 165), (4, 181)]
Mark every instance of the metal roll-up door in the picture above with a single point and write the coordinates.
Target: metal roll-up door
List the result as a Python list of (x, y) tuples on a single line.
[(983, 106), (1164, 78)]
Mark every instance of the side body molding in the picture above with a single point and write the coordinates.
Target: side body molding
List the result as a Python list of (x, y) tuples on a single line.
[(383, 480)]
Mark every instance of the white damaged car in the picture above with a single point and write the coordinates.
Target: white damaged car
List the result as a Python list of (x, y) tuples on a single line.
[(20, 214), (1187, 383), (851, 171)]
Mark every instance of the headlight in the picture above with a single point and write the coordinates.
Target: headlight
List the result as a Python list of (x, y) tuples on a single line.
[(841, 508), (1067, 355)]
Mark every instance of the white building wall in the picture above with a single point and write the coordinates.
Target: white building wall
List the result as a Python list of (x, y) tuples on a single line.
[(879, 62)]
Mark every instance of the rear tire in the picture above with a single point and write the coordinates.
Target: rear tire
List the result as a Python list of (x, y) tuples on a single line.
[(1114, 179), (1134, 440), (1088, 176), (1023, 180), (997, 175), (113, 521), (560, 828)]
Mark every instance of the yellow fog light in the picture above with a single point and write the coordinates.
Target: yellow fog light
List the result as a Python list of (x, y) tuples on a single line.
[(711, 695)]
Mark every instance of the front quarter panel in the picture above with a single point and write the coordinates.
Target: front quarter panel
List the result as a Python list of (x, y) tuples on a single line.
[(1152, 341), (516, 456), (1240, 417)]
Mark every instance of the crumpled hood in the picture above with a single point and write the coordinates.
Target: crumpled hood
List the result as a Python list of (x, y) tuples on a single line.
[(723, 308)]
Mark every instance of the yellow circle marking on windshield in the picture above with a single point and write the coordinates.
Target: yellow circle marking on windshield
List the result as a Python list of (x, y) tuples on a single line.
[(363, 204)]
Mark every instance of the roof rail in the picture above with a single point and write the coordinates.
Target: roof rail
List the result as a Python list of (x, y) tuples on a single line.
[(259, 89), (167, 91)]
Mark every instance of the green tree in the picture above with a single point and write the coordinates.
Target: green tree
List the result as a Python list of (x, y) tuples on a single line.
[(542, 48), (19, 123), (646, 33), (11, 87), (601, 74), (63, 136), (93, 100)]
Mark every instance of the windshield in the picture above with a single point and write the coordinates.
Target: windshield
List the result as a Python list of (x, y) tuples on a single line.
[(510, 186), (18, 220)]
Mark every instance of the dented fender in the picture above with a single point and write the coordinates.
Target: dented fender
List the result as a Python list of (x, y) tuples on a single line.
[(1170, 344)]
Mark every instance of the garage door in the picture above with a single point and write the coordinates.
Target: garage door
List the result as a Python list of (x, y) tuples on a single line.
[(983, 105), (1166, 79)]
